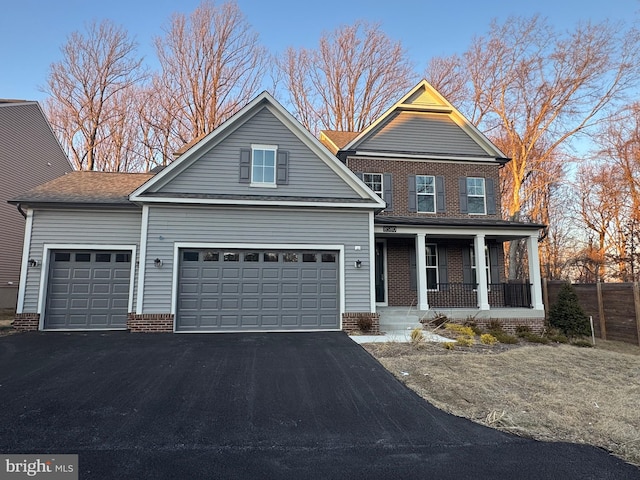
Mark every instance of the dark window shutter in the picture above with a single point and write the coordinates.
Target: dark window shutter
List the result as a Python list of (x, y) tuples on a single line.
[(360, 175), (467, 274), (490, 190), (494, 253), (443, 271), (463, 195), (282, 168), (245, 165), (440, 197), (412, 193), (413, 279), (387, 194)]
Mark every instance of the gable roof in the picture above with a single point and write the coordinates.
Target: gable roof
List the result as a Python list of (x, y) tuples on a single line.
[(424, 99), (148, 191), (85, 188)]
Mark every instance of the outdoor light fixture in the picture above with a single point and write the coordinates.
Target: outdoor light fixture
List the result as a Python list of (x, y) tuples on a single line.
[(358, 263), (157, 262), (33, 262)]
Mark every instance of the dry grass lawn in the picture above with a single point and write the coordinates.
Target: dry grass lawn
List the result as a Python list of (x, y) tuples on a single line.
[(552, 393)]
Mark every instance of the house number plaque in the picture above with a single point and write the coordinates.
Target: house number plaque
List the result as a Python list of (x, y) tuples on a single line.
[(389, 229)]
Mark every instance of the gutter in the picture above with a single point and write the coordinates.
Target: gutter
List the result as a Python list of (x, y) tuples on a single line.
[(22, 212)]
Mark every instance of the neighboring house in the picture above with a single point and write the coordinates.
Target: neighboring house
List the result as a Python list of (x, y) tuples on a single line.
[(439, 177), (255, 227), (258, 226), (29, 155)]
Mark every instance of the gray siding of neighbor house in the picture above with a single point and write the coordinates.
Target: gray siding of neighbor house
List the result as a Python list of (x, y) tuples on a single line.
[(29, 155), (217, 171), (234, 225), (77, 227), (422, 133)]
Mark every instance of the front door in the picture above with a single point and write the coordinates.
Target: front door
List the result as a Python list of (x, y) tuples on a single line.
[(380, 274)]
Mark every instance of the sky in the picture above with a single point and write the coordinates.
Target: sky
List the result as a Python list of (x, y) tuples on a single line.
[(33, 31)]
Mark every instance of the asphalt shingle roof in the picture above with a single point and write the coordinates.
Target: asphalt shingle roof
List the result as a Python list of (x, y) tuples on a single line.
[(86, 187)]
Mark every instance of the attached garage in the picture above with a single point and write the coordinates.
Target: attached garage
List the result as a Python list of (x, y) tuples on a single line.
[(246, 290), (87, 289)]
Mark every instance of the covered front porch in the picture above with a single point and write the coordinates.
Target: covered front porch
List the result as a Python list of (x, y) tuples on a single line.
[(455, 267)]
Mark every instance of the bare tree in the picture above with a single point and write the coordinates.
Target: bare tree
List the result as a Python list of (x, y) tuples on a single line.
[(86, 88), (446, 74), (211, 65), (533, 90), (346, 83)]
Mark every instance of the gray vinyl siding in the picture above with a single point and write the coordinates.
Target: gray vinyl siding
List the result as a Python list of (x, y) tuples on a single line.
[(422, 133), (218, 171), (77, 227), (29, 155), (168, 225)]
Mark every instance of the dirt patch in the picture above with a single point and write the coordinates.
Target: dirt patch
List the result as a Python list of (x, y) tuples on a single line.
[(547, 392), (6, 317)]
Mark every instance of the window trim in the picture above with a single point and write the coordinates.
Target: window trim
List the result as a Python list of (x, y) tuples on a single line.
[(381, 175), (435, 267), (263, 147), (483, 196), (487, 259), (432, 195)]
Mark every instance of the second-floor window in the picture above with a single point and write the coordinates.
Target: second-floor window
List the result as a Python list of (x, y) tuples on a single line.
[(426, 193), (263, 164), (375, 182), (476, 199)]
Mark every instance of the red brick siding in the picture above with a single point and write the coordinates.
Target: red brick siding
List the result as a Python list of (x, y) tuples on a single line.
[(26, 322), (451, 171), (350, 322), (509, 325), (150, 322), (399, 271)]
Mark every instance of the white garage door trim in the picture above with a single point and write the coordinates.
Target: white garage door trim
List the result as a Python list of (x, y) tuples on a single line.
[(261, 246), (44, 269)]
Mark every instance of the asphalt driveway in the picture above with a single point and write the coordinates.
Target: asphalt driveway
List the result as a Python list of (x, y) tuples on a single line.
[(287, 405)]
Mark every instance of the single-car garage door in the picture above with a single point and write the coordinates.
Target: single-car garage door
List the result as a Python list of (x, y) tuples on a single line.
[(227, 290), (88, 290)]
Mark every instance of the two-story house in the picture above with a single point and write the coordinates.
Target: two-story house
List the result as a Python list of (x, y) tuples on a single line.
[(439, 177), (258, 226), (29, 155)]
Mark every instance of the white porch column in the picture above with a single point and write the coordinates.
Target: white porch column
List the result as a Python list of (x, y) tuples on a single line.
[(481, 272), (534, 272), (421, 271)]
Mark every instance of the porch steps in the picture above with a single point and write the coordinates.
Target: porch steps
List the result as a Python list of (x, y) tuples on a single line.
[(397, 322)]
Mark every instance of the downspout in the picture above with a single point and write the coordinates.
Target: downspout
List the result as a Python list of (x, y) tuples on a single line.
[(22, 212)]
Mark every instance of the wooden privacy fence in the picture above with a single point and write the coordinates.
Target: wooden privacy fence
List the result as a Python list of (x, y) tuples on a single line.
[(615, 307)]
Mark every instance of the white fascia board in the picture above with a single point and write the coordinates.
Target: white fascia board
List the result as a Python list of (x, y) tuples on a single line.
[(256, 203), (458, 231), (425, 158)]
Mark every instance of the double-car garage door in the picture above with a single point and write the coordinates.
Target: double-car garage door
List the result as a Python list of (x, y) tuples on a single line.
[(231, 290)]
